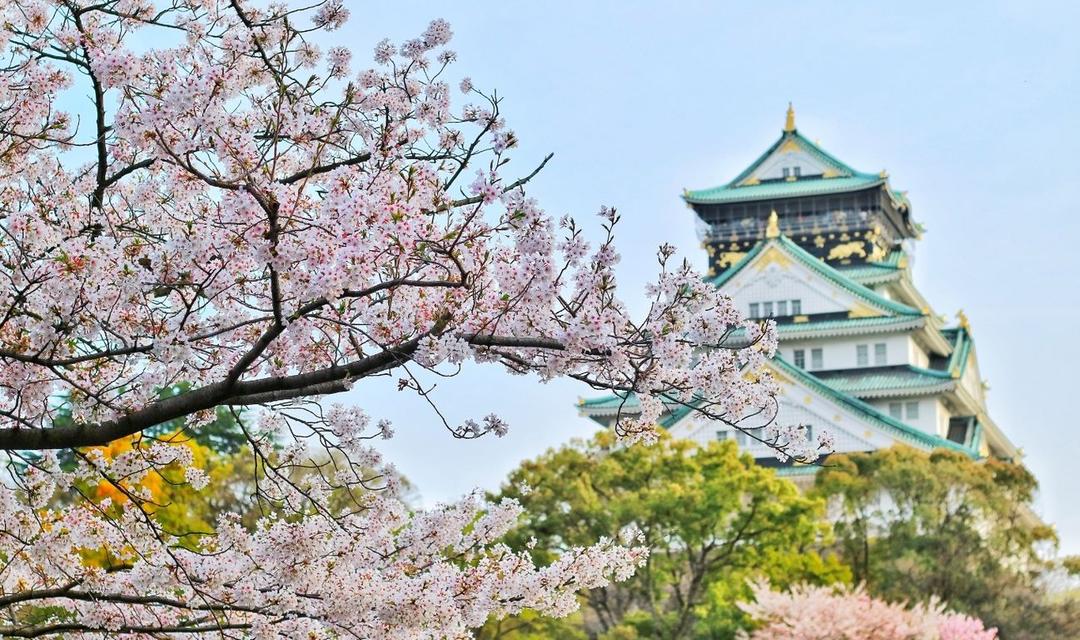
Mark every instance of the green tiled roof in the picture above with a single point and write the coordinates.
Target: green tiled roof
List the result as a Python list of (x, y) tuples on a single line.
[(874, 272), (811, 186), (825, 270), (890, 424), (961, 341), (838, 327), (797, 470), (609, 405), (845, 178), (906, 380), (842, 326)]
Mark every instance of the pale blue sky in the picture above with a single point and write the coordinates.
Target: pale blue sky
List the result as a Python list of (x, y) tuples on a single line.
[(971, 107)]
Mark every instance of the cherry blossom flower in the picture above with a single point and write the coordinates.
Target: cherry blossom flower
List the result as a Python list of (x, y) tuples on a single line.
[(244, 230)]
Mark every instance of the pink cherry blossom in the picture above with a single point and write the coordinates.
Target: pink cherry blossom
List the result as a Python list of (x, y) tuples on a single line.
[(842, 613), (226, 220)]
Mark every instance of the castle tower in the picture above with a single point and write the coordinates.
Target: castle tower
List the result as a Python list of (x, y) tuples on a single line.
[(824, 251)]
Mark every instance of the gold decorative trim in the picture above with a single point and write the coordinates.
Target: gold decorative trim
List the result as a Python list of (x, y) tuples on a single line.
[(862, 311), (963, 319), (773, 256), (772, 229), (846, 250), (728, 258), (790, 146)]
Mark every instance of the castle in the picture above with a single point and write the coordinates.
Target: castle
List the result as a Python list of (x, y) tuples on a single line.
[(826, 252)]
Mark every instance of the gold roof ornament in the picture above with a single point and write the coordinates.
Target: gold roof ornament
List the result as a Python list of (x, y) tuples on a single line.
[(772, 229), (963, 319), (789, 122)]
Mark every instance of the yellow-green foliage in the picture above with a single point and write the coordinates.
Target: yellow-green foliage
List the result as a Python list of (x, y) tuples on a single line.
[(711, 517)]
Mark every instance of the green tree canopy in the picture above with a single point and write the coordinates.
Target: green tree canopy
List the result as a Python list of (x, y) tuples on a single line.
[(711, 517), (913, 524)]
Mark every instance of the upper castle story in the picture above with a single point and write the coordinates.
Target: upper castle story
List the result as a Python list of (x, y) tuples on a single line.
[(831, 210)]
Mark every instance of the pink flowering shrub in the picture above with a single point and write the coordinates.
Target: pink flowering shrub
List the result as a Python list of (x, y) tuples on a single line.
[(841, 613), (192, 195)]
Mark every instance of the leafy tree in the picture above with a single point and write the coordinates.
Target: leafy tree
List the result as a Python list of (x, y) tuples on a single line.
[(710, 517), (234, 213), (914, 525)]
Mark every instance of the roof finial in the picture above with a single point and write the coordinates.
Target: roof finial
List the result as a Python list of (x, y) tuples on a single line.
[(789, 122), (963, 320), (772, 230)]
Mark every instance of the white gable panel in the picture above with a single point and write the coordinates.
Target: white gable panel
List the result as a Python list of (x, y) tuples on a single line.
[(799, 404), (772, 168), (768, 278)]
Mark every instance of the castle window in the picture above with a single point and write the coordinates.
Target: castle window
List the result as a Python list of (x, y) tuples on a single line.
[(796, 307), (787, 172), (862, 355), (781, 308), (798, 171), (912, 410), (754, 310), (766, 308), (880, 357), (800, 358), (957, 432), (817, 359), (721, 435), (896, 410)]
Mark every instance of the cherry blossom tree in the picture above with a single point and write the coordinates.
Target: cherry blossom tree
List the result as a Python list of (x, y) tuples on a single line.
[(842, 613), (231, 212)]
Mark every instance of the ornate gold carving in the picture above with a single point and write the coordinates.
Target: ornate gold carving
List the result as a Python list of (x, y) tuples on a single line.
[(749, 182), (773, 255), (734, 246), (883, 174), (728, 258), (830, 173), (877, 254), (846, 250), (844, 237), (963, 319), (772, 229), (790, 146), (902, 262), (789, 121), (862, 311), (800, 319), (819, 241)]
